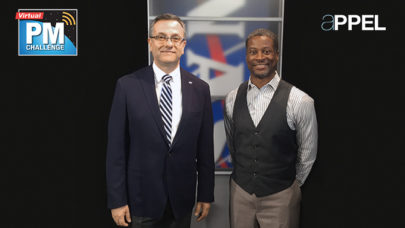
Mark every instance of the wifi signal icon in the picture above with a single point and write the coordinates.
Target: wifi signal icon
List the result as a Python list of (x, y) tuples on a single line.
[(68, 18)]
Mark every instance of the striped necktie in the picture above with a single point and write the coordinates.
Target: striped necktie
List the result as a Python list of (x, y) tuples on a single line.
[(166, 107)]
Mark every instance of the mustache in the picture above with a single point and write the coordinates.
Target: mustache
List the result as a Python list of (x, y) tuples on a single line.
[(264, 62)]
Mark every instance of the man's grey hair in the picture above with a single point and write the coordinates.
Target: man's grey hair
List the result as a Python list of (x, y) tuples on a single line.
[(264, 32), (167, 17)]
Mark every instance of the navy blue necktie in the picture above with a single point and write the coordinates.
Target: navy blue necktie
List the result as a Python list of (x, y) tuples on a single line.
[(166, 107)]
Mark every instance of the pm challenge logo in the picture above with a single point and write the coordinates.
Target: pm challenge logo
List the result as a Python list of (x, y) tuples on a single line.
[(47, 32)]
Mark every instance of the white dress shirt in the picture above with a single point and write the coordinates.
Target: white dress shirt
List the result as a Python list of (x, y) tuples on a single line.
[(175, 85)]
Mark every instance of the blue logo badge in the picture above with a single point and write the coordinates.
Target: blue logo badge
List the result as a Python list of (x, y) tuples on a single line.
[(47, 32)]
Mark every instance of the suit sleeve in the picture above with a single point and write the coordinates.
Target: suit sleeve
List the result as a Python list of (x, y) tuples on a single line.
[(205, 154), (117, 150)]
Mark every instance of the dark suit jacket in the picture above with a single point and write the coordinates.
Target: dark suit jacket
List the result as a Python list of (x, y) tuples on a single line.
[(142, 171)]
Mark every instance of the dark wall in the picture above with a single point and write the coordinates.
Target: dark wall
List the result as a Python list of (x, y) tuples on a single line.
[(55, 109), (57, 112), (356, 79)]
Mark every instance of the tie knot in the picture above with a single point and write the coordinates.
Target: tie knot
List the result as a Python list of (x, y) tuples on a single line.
[(166, 78)]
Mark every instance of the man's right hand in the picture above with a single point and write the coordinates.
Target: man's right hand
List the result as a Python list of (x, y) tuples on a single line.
[(121, 215)]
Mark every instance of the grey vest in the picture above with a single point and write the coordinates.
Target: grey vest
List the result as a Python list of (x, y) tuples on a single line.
[(265, 156)]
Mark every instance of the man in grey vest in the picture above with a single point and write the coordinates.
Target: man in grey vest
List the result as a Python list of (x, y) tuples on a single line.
[(272, 136)]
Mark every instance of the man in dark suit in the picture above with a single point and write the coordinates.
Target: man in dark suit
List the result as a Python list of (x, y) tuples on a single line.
[(160, 138)]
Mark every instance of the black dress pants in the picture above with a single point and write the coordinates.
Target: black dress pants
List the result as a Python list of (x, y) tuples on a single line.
[(166, 221)]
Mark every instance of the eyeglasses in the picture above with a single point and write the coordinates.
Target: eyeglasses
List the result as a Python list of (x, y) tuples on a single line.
[(162, 38)]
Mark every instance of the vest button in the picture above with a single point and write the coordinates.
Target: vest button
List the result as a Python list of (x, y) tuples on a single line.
[(256, 133), (254, 174)]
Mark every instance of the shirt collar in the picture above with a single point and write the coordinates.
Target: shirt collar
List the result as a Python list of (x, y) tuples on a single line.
[(160, 73), (273, 83)]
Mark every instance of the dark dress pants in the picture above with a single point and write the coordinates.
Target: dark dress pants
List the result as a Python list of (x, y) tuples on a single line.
[(166, 221)]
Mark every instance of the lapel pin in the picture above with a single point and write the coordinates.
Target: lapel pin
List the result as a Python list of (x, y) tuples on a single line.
[(190, 82)]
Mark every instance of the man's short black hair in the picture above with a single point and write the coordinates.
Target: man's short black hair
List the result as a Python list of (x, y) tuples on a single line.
[(264, 32)]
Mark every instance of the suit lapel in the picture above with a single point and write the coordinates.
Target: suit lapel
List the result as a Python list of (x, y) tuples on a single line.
[(148, 85), (186, 91)]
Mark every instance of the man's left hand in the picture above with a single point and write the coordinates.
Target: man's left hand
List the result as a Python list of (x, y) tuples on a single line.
[(201, 210)]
